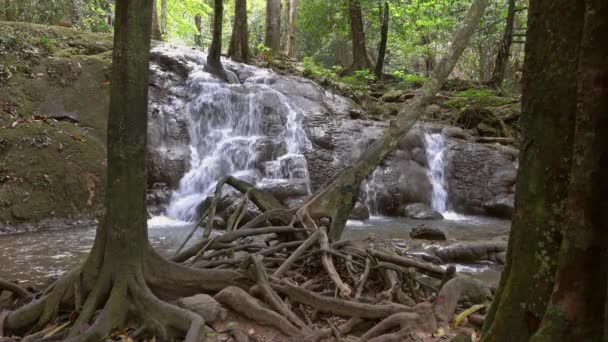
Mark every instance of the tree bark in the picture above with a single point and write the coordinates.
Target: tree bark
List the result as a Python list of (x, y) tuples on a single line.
[(198, 22), (337, 197), (383, 41), (361, 59), (504, 49), (214, 63), (292, 17), (156, 31), (574, 312), (273, 26), (548, 111), (8, 12), (239, 41)]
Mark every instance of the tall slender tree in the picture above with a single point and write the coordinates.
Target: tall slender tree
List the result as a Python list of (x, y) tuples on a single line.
[(273, 26), (123, 275), (163, 17), (384, 18), (504, 49), (291, 30), (239, 41), (214, 63)]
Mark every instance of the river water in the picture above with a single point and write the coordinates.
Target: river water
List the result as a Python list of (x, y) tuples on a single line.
[(33, 257)]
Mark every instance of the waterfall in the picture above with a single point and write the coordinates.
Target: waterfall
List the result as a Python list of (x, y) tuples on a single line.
[(435, 148), (231, 133), (372, 188)]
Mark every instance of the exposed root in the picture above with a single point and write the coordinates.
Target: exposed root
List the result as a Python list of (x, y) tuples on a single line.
[(241, 302), (456, 289), (14, 288), (405, 321)]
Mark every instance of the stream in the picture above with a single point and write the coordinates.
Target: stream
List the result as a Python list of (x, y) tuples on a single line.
[(34, 257)]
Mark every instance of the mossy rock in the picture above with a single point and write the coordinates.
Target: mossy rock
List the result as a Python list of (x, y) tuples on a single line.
[(478, 98), (53, 115)]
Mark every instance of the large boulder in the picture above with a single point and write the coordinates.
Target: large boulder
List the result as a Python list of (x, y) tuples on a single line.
[(481, 178)]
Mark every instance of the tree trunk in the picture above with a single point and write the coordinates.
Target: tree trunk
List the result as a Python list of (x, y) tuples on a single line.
[(504, 49), (361, 59), (548, 111), (239, 41), (215, 50), (156, 32), (337, 197), (163, 17), (8, 11), (198, 23), (122, 275), (292, 17), (383, 42), (575, 312), (273, 26)]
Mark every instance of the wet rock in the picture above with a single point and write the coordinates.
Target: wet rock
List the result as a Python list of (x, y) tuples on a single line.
[(472, 252), (478, 174), (359, 212), (421, 211), (427, 233), (456, 133), (500, 206), (205, 306)]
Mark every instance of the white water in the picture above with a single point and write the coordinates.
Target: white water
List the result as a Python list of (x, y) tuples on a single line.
[(227, 137), (372, 189), (435, 151)]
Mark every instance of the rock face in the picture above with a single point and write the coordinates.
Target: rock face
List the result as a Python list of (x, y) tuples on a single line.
[(481, 178)]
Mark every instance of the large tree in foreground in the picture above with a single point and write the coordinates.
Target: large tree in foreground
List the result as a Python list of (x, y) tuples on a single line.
[(555, 283), (123, 277)]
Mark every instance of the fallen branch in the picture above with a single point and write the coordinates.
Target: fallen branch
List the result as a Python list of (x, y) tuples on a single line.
[(424, 267)]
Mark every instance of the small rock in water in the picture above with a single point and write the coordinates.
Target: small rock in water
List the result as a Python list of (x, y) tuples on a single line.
[(421, 211), (359, 212), (427, 233)]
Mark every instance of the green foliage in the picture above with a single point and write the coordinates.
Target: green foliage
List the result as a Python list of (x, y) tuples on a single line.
[(409, 80), (48, 43), (360, 79), (314, 70), (478, 98)]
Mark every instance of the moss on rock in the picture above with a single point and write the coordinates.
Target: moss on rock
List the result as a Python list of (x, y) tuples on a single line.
[(53, 111)]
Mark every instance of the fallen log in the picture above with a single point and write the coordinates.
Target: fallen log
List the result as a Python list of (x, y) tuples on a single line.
[(423, 267)]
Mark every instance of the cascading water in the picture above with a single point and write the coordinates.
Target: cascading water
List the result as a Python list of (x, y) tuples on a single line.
[(435, 151), (435, 146), (372, 188), (230, 135)]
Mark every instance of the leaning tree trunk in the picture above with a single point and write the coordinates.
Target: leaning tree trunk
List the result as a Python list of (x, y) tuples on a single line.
[(156, 31), (548, 111), (290, 41), (575, 312), (239, 41), (273, 26), (123, 276), (383, 41), (504, 49), (361, 59), (337, 197)]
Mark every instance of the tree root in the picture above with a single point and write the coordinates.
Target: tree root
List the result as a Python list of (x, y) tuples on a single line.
[(453, 291), (405, 321), (328, 264), (14, 288), (241, 302)]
